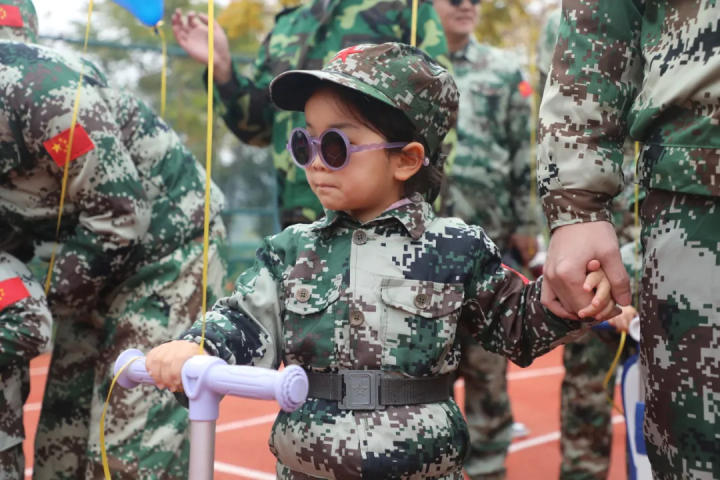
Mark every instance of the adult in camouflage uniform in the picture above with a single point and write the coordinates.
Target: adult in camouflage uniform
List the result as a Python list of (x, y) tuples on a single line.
[(489, 186), (128, 271), (649, 71), (380, 291), (25, 328), (585, 415), (304, 37)]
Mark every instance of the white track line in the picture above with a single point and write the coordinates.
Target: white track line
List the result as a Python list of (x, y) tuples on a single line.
[(243, 472), (32, 407), (35, 371), (250, 422), (548, 437)]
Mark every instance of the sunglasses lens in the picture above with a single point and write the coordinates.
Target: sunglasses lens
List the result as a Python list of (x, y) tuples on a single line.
[(334, 149), (456, 3), (300, 147)]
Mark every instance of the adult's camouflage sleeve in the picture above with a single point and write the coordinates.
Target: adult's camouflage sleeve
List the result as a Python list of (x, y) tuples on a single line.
[(244, 329), (25, 326), (502, 311), (518, 131), (104, 190), (596, 69)]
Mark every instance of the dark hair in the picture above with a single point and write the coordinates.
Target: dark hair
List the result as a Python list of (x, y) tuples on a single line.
[(395, 126)]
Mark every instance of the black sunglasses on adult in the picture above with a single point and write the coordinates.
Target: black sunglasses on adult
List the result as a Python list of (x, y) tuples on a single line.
[(457, 3)]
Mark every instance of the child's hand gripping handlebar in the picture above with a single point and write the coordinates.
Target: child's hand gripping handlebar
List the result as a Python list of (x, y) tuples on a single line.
[(207, 379)]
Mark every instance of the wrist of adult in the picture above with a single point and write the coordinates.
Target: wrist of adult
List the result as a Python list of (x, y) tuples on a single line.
[(569, 207)]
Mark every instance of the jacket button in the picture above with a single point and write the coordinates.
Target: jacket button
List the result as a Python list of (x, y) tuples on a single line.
[(302, 295), (360, 237), (422, 301), (357, 318)]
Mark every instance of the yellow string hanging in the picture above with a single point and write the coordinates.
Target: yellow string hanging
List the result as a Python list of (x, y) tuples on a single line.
[(63, 188), (413, 24), (610, 372), (208, 163), (163, 80)]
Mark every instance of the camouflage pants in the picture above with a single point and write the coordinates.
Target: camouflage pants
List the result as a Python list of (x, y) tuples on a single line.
[(146, 430), (12, 463), (487, 410), (284, 473), (585, 414), (680, 329)]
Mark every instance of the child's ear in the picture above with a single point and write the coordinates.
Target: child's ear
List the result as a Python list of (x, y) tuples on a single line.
[(409, 161)]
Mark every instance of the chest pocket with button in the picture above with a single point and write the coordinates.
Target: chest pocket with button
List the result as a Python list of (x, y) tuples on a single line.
[(420, 322)]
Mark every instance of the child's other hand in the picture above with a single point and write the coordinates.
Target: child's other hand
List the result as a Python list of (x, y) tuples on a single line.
[(602, 305), (164, 363), (622, 321)]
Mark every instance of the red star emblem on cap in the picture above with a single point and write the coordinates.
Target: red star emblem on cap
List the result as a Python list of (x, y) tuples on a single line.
[(344, 53)]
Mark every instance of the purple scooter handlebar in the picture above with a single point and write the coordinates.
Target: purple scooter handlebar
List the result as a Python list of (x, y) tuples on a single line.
[(207, 379)]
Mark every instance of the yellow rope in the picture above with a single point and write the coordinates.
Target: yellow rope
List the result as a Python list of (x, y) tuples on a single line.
[(163, 80), (103, 452), (63, 188), (413, 24), (610, 372), (208, 163)]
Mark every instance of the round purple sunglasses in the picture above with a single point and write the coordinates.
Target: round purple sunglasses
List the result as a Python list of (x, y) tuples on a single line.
[(335, 148)]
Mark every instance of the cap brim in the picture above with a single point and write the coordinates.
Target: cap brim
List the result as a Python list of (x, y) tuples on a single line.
[(291, 90)]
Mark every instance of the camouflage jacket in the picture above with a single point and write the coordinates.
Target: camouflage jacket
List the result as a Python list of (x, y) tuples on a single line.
[(490, 179), (25, 328), (306, 38), (134, 192), (385, 295), (651, 74)]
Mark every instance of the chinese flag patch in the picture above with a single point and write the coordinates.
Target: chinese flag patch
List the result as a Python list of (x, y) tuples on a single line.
[(524, 279), (525, 89), (10, 16), (12, 291), (57, 146)]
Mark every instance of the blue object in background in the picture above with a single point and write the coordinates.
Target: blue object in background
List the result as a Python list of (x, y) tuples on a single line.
[(149, 12)]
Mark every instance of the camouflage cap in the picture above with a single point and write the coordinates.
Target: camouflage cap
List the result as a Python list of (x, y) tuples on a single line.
[(18, 21), (394, 73)]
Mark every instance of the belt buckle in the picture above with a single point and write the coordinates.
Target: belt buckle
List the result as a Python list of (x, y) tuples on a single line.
[(361, 390)]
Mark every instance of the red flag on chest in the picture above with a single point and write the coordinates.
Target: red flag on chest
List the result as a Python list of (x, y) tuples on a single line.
[(57, 146), (12, 291)]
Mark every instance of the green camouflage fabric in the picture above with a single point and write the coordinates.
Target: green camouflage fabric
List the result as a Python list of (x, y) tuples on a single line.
[(623, 69), (490, 179), (28, 32), (546, 47), (307, 37), (387, 295), (133, 219), (396, 74), (649, 71), (25, 329), (679, 326)]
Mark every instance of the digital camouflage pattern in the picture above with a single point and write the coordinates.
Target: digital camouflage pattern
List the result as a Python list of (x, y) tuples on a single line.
[(629, 77), (342, 294), (396, 74), (307, 37), (131, 230), (649, 72), (679, 327), (490, 186), (490, 179), (25, 329)]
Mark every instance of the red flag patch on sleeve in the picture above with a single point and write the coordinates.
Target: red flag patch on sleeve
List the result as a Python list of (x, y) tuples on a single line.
[(57, 146), (524, 279), (525, 89), (10, 16), (12, 291)]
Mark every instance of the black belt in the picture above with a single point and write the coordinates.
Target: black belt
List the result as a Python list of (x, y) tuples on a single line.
[(375, 389)]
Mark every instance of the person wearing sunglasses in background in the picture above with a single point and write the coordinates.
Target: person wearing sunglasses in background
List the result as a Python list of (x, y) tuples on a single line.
[(489, 185), (304, 37)]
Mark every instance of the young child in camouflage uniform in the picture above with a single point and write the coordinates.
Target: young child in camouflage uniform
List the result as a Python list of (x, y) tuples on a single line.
[(25, 328), (368, 300)]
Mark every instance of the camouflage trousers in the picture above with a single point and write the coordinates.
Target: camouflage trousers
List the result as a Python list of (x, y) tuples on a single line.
[(12, 463), (585, 414), (284, 473), (680, 328), (487, 410), (146, 430)]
